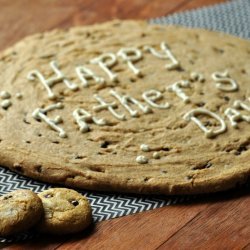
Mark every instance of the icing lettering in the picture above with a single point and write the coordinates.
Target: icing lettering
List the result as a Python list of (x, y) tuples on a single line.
[(191, 116), (151, 96), (177, 89), (235, 116), (109, 106), (106, 62), (48, 83), (5, 104), (241, 105), (224, 82), (40, 114), (85, 74), (82, 117), (144, 148), (141, 159), (156, 155), (5, 95), (166, 54), (131, 55), (126, 99)]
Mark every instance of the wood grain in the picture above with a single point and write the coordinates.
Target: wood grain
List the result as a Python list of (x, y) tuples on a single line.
[(223, 224), (138, 230), (219, 221)]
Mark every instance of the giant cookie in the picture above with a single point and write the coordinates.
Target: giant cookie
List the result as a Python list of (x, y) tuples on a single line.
[(129, 107)]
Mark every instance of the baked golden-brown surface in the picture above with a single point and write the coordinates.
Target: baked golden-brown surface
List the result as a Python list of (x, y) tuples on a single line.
[(106, 157)]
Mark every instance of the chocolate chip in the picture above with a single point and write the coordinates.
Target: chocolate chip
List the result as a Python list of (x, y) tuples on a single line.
[(25, 120), (78, 157), (218, 50), (226, 98), (7, 197), (241, 149), (180, 69), (97, 169), (207, 123), (75, 203), (132, 79), (189, 177), (104, 144), (38, 168), (165, 149), (200, 104), (202, 166), (18, 167)]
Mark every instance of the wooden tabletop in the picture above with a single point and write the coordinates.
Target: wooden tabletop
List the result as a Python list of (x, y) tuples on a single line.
[(220, 221)]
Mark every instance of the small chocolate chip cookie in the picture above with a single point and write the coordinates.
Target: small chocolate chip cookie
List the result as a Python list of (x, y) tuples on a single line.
[(65, 211), (19, 211)]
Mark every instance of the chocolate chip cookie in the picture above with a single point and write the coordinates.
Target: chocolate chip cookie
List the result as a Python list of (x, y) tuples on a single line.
[(19, 211), (65, 211), (129, 107)]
